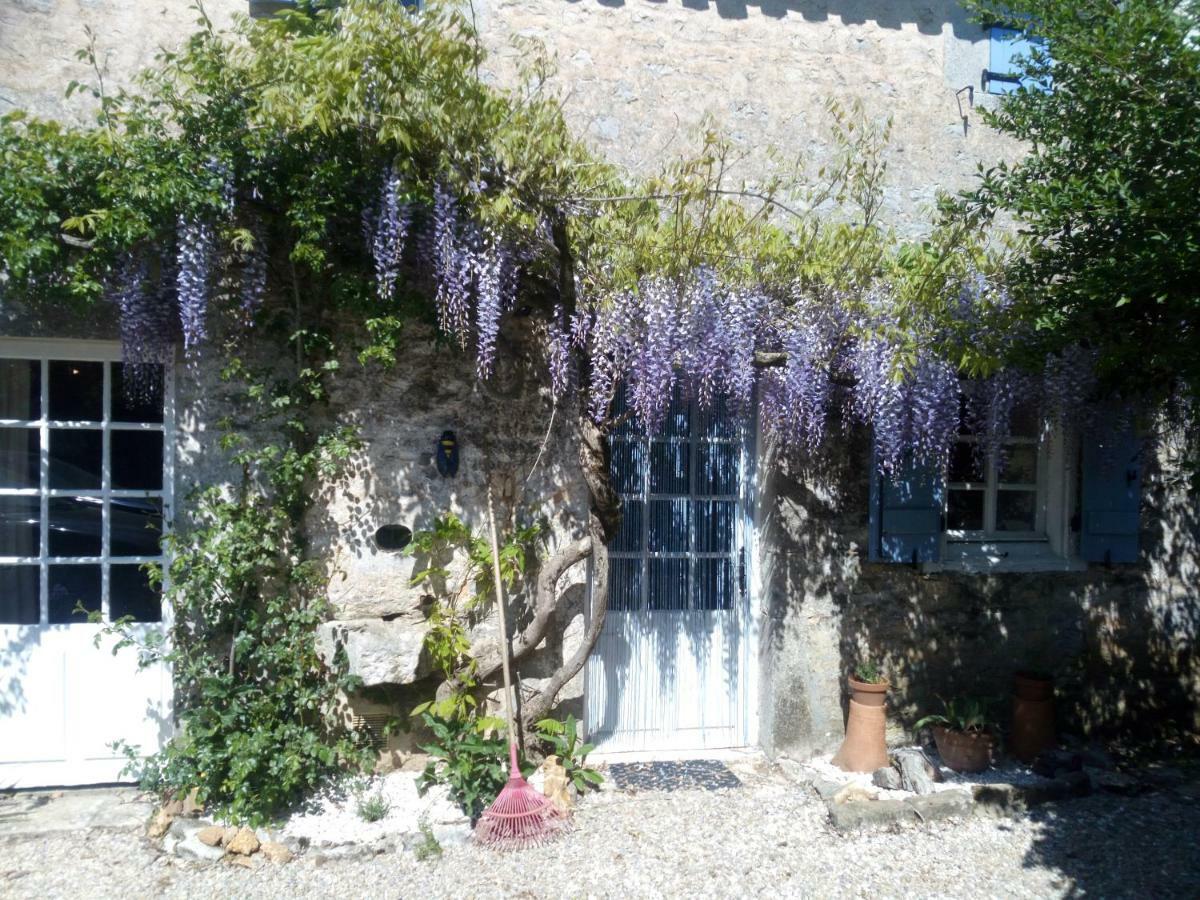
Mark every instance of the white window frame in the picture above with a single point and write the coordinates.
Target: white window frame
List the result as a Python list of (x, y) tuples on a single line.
[(107, 352)]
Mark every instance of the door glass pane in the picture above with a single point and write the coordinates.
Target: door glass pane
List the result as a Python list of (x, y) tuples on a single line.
[(670, 526), (19, 457), (716, 422), (20, 526), (669, 467), (669, 584), (628, 464), (131, 594), (1020, 464), (20, 588), (135, 526), (964, 511), (625, 584), (71, 586), (137, 460), (137, 393), (75, 458), (715, 525), (1016, 510), (20, 389), (714, 583), (629, 538), (718, 469), (75, 526), (76, 391)]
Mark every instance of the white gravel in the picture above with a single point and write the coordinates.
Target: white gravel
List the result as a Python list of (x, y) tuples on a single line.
[(768, 838)]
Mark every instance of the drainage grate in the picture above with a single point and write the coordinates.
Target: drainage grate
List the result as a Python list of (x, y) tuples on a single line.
[(674, 775), (373, 726)]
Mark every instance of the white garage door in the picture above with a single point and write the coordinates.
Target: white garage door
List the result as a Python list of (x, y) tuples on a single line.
[(85, 481)]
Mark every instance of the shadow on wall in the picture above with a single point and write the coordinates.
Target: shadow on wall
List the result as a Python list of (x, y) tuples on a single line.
[(929, 17)]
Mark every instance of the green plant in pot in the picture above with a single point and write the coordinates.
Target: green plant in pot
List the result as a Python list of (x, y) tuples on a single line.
[(965, 733), (868, 684)]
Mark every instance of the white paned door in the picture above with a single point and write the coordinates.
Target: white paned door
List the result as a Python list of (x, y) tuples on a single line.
[(85, 490), (671, 668)]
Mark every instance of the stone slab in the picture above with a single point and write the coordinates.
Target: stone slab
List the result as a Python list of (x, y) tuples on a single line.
[(76, 809)]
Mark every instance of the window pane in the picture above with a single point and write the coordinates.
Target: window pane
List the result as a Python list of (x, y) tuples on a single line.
[(137, 393), (19, 590), (20, 389), (717, 422), (20, 526), (1024, 421), (715, 525), (678, 422), (75, 458), (964, 511), (714, 584), (965, 464), (137, 460), (71, 586), (718, 469), (669, 467), (628, 464), (75, 526), (625, 584), (629, 538), (1016, 510), (135, 527), (1020, 464), (670, 526), (131, 594), (19, 457), (76, 391), (669, 585)]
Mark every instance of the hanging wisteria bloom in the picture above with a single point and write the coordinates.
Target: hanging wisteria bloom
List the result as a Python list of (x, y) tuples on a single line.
[(559, 352), (386, 226), (194, 261), (145, 324), (495, 282)]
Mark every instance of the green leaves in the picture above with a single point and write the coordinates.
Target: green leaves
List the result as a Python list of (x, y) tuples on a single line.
[(468, 756), (563, 741)]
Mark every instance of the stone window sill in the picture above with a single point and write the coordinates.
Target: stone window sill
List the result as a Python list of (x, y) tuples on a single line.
[(993, 557)]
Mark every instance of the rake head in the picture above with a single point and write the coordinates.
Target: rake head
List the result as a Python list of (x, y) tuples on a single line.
[(521, 815)]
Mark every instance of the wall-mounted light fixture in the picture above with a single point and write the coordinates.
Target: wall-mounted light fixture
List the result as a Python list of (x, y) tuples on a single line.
[(447, 454)]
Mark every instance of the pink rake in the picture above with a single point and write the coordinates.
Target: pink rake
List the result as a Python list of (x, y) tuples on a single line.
[(521, 816)]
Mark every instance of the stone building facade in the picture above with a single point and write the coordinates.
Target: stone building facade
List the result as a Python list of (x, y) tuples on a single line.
[(640, 80)]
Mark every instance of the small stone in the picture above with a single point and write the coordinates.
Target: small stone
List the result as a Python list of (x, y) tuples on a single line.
[(917, 773), (231, 831), (941, 805), (825, 788), (244, 843), (887, 778), (276, 852), (1049, 762), (244, 861), (851, 816), (191, 804), (795, 772), (161, 824), (212, 836), (854, 793), (555, 783), (175, 808)]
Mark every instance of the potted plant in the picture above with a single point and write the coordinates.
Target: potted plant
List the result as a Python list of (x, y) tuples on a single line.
[(964, 734), (868, 685), (865, 747)]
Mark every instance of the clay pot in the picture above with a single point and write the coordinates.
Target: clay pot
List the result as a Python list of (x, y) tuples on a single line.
[(868, 694), (864, 749), (1033, 716), (964, 751)]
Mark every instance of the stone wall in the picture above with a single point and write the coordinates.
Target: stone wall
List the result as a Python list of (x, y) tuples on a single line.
[(1119, 641)]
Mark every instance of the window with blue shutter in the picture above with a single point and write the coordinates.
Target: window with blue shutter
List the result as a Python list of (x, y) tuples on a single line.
[(1111, 496), (1007, 48), (906, 514)]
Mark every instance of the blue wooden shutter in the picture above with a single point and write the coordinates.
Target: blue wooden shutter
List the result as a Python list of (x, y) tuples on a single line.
[(906, 514), (1004, 72), (1111, 496)]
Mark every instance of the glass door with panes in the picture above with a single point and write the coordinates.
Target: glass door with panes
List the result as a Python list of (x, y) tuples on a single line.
[(668, 671), (85, 490)]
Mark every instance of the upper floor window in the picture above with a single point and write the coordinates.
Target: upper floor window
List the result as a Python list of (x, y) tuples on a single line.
[(1007, 48)]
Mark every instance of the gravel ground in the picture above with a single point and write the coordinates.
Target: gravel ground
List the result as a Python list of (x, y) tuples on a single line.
[(769, 838)]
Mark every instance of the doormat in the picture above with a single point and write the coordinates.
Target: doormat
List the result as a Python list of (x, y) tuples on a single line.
[(674, 775)]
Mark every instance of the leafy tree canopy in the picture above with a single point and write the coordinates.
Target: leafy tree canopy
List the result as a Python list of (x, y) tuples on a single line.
[(1105, 198)]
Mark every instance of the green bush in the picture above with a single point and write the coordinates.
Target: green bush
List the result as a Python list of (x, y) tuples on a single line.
[(563, 738), (469, 756)]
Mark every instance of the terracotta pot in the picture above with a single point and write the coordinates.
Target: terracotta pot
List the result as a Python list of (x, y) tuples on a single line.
[(868, 694), (964, 751), (864, 749), (1032, 728), (1031, 686)]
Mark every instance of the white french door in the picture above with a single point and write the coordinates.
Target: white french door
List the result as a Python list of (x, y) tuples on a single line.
[(85, 490), (671, 669)]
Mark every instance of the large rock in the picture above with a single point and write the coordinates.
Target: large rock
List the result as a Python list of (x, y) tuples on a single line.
[(917, 773), (378, 652), (244, 843)]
